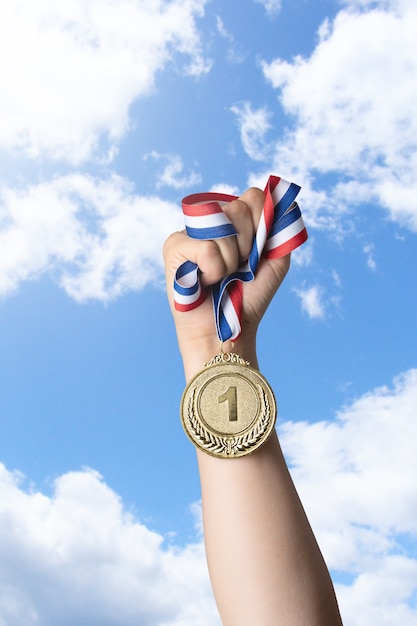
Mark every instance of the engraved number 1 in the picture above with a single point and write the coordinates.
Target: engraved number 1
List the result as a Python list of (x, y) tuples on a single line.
[(231, 396)]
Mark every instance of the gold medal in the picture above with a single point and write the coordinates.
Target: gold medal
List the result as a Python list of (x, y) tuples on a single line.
[(228, 409)]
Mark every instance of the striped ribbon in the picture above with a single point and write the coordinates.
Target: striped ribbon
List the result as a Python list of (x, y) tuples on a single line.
[(281, 229)]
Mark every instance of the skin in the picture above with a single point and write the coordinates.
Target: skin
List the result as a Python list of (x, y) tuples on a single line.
[(265, 565)]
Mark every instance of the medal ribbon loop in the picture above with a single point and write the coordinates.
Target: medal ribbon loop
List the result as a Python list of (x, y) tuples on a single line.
[(281, 229)]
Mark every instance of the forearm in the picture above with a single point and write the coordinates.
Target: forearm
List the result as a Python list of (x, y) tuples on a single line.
[(265, 565), (264, 562)]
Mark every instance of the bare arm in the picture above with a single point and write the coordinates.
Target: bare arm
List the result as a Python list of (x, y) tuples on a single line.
[(265, 565)]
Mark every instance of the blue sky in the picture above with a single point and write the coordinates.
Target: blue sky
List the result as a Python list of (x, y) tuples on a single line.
[(110, 113)]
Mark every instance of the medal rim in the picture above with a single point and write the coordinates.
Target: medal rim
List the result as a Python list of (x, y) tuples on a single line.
[(219, 442)]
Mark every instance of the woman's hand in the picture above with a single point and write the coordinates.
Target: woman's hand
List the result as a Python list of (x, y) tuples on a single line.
[(196, 331)]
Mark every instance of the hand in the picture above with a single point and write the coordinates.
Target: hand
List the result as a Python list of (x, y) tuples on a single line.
[(196, 331)]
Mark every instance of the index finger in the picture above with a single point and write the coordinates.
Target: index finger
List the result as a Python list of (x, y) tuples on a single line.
[(245, 213)]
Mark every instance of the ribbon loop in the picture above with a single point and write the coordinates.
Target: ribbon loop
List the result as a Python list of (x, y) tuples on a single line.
[(281, 229)]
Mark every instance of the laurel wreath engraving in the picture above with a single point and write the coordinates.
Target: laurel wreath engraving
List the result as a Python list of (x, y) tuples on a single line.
[(223, 445)]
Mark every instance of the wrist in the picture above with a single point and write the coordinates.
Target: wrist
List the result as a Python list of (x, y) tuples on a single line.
[(197, 353)]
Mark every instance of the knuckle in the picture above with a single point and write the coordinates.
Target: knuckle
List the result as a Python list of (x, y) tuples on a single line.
[(236, 208), (210, 261), (209, 250), (253, 196), (209, 254)]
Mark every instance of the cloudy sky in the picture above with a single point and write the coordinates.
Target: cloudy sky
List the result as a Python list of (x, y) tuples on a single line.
[(110, 112)]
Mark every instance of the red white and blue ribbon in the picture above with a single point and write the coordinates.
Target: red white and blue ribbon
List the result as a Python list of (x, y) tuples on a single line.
[(281, 229)]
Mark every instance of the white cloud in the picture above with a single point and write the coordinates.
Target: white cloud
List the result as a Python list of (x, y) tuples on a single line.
[(96, 236), (69, 71), (79, 557), (222, 30), (312, 301), (231, 190), (272, 7), (366, 4), (354, 106), (234, 55), (369, 251), (172, 174), (253, 126), (303, 255), (357, 478)]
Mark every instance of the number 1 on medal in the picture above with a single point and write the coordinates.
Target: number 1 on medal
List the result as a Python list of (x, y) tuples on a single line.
[(231, 396)]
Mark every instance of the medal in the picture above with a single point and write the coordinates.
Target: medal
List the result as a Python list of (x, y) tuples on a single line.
[(228, 409)]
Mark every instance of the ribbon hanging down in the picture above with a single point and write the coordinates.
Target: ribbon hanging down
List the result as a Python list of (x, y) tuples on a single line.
[(281, 229)]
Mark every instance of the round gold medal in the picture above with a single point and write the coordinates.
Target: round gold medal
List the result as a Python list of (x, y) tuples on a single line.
[(228, 409)]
